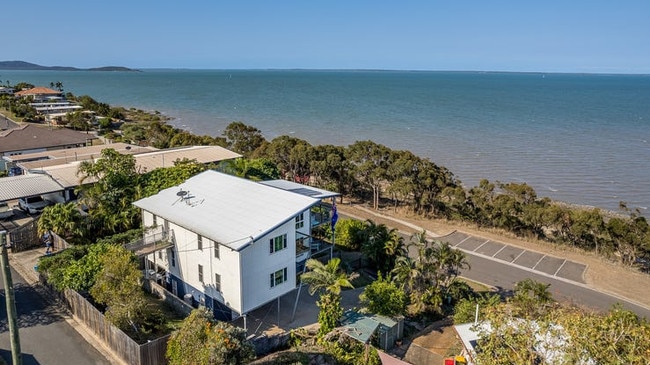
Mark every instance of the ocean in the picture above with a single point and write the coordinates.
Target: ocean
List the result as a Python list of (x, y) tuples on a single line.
[(579, 138)]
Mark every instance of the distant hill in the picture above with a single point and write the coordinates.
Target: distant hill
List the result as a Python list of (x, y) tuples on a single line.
[(22, 65)]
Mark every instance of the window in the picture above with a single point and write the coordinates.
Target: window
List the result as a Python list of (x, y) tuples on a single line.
[(217, 254), (160, 254), (201, 273), (217, 282), (278, 277), (199, 242), (173, 257), (155, 220), (278, 243), (300, 220)]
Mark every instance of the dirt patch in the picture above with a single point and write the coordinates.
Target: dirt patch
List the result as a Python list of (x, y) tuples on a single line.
[(601, 274)]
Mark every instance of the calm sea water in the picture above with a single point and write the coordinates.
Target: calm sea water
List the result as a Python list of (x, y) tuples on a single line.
[(583, 139)]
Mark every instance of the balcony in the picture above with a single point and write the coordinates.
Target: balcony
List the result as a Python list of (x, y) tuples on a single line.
[(302, 252), (320, 214), (154, 239), (308, 246)]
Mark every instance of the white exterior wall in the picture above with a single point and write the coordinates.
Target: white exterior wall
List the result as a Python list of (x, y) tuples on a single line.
[(245, 275), (258, 264), (189, 257)]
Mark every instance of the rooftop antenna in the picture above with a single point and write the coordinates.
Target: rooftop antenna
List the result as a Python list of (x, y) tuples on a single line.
[(181, 195)]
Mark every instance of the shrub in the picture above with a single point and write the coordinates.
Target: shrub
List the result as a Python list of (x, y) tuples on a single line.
[(384, 297), (347, 234)]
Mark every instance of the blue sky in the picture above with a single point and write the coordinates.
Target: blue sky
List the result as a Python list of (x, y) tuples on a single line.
[(488, 35)]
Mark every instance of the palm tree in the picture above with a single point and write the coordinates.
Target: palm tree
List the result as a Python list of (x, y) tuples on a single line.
[(328, 279)]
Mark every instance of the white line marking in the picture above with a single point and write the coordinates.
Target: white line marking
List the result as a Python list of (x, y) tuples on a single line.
[(559, 268), (481, 245), (540, 260), (518, 256), (496, 253), (466, 238)]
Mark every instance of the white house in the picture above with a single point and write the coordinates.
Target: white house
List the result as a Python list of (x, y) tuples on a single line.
[(235, 244)]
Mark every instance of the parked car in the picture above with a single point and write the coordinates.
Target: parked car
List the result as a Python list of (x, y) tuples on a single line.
[(5, 210), (33, 204)]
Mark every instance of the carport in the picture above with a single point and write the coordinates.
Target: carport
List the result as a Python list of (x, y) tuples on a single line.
[(21, 186)]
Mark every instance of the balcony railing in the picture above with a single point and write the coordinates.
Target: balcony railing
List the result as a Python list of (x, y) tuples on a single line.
[(315, 245), (320, 214), (153, 240)]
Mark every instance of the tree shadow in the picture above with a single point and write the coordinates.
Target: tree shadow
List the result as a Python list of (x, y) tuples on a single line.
[(33, 307), (503, 293)]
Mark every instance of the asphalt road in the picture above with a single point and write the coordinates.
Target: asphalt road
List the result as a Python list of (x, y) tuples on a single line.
[(45, 336), (504, 277)]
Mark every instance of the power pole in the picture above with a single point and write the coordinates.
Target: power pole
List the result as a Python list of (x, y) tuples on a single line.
[(10, 300)]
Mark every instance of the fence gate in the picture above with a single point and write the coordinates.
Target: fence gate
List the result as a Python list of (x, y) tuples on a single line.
[(24, 237)]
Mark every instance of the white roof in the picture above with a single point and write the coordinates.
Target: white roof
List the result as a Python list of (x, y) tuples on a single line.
[(66, 173), (300, 189), (227, 209), (14, 187)]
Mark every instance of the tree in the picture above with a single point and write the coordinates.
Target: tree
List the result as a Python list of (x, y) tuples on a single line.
[(531, 298), (566, 335), (330, 168), (75, 268), (111, 185), (243, 138), (465, 309), (370, 162), (118, 285), (200, 341), (381, 245), (165, 177), (256, 169), (427, 277), (292, 156), (383, 297), (631, 235), (327, 279), (63, 219)]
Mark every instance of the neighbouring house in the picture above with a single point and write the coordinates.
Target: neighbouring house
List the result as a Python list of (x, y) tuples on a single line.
[(62, 165), (549, 341), (40, 94), (6, 90), (30, 139), (51, 104), (231, 244)]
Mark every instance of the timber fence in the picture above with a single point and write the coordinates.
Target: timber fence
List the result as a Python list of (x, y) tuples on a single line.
[(131, 352)]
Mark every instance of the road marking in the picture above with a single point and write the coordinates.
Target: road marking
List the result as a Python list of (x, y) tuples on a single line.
[(466, 238), (540, 260), (559, 268), (481, 245), (518, 256), (504, 246)]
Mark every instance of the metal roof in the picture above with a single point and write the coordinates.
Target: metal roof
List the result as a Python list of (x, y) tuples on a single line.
[(62, 156), (165, 158), (14, 187), (227, 209), (66, 174), (300, 189)]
